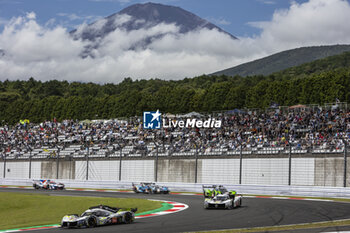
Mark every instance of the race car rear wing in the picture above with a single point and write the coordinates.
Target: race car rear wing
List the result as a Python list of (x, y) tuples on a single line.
[(145, 183), (209, 186)]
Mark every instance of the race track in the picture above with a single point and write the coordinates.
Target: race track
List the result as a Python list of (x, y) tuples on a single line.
[(255, 212)]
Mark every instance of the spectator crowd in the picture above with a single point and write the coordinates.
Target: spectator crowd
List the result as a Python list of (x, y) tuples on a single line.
[(303, 128)]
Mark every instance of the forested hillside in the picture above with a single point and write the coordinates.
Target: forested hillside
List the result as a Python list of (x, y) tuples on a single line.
[(284, 60), (314, 83), (326, 64)]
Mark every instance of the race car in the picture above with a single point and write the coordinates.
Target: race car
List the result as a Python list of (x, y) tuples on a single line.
[(142, 188), (47, 184), (219, 197), (213, 190), (98, 216), (223, 201), (156, 189), (150, 188)]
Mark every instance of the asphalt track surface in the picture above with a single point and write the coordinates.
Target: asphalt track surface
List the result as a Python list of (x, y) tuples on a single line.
[(255, 212)]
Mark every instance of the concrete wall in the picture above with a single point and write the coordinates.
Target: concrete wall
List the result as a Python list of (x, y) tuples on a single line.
[(329, 171), (303, 171), (1, 169), (104, 170), (66, 170), (178, 170), (17, 169), (80, 170), (224, 171), (36, 170), (20, 169), (313, 171), (138, 170), (265, 171)]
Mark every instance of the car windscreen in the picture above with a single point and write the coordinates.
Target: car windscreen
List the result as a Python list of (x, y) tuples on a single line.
[(86, 214), (98, 213), (222, 190), (219, 198)]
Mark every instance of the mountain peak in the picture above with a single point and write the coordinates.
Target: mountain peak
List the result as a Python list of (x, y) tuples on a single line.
[(155, 13), (143, 16)]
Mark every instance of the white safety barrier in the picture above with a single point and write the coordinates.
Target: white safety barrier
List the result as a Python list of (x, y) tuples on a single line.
[(191, 187)]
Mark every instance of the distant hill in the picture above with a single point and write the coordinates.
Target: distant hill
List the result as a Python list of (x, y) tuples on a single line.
[(284, 60), (325, 64)]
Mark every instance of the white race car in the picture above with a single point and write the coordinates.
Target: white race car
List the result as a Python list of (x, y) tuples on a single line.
[(47, 184), (223, 201)]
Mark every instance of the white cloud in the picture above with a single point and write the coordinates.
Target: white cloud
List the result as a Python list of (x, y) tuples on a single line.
[(31, 15), (73, 17), (315, 22), (50, 53)]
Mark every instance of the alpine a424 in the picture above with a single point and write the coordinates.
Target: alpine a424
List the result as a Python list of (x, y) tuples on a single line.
[(98, 216), (218, 197)]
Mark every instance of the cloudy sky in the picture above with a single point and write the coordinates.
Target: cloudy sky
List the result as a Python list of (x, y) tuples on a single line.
[(35, 40)]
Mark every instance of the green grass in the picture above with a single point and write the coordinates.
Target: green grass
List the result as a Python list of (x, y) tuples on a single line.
[(23, 210)]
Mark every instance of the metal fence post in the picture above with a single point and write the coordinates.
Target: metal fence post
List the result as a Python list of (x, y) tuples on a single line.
[(156, 171), (196, 166), (87, 163), (4, 165), (290, 165), (345, 162), (240, 165), (57, 162), (30, 164), (120, 163)]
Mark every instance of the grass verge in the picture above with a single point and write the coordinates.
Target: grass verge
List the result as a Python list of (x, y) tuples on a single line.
[(22, 210)]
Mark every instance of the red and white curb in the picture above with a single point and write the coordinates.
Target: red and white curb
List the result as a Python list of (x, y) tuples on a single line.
[(177, 207)]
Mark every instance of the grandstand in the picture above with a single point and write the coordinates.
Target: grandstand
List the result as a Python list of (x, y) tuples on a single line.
[(297, 129)]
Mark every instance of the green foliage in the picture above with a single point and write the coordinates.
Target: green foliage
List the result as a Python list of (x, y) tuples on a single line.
[(313, 83), (336, 62)]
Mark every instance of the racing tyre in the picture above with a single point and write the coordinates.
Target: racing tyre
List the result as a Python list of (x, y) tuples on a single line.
[(92, 222), (128, 218), (240, 202)]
